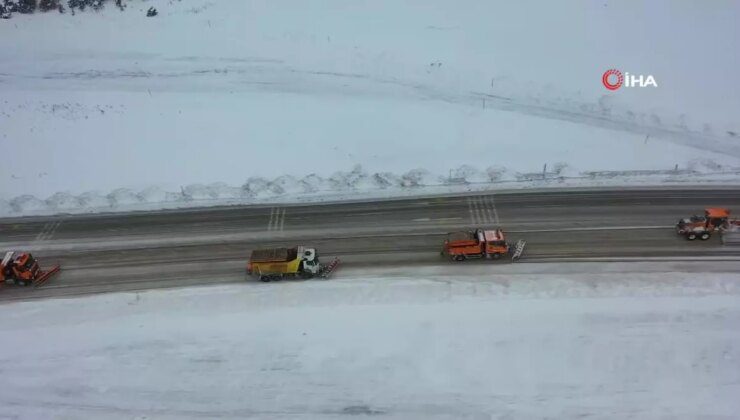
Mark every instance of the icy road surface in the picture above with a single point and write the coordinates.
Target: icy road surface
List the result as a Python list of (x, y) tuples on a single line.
[(632, 345)]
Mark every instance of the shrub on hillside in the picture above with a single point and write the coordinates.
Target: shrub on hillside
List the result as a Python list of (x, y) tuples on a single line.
[(46, 5), (8, 7), (19, 6), (94, 4), (82, 4)]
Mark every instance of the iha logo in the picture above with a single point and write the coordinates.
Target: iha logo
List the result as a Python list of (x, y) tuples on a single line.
[(613, 80)]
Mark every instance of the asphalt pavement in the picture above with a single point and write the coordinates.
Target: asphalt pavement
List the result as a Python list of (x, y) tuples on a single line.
[(148, 250)]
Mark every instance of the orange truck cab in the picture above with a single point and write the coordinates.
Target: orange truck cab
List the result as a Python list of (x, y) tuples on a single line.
[(18, 268), (478, 243), (702, 227)]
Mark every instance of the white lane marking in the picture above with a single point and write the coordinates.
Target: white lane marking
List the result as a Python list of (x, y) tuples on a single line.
[(489, 212), (41, 234), (272, 216), (470, 209), (277, 219), (48, 231), (495, 212), (477, 220), (480, 207), (482, 211)]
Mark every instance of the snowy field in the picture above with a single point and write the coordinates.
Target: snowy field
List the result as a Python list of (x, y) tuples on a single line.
[(249, 101), (630, 345)]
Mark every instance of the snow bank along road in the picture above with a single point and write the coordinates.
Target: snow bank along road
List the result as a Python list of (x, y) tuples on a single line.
[(135, 251), (606, 346)]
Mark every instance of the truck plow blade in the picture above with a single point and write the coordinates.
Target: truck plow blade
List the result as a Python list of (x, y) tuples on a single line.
[(518, 249), (326, 272), (46, 275)]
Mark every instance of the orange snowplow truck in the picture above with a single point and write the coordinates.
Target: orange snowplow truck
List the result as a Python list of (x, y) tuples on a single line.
[(479, 243), (702, 227), (22, 268)]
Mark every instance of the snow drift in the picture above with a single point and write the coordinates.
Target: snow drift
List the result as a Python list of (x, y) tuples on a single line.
[(440, 347), (351, 185)]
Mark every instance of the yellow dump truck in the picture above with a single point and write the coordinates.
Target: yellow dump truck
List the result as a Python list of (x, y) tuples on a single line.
[(279, 263)]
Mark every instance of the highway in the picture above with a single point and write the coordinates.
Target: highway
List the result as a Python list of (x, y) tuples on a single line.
[(149, 250)]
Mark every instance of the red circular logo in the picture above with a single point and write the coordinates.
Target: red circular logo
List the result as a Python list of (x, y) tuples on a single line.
[(609, 85)]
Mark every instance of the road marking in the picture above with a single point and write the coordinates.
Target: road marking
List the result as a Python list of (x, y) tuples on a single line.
[(487, 209), (277, 219), (470, 209), (482, 207), (43, 232), (272, 216), (478, 214), (483, 210), (495, 212), (48, 231)]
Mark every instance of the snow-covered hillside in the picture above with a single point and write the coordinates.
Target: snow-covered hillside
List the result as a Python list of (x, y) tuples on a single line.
[(259, 100), (660, 345)]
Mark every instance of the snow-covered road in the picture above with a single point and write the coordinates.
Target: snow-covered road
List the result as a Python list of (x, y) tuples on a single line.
[(623, 345)]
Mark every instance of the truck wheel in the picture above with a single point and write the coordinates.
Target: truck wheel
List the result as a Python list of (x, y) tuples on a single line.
[(459, 258), (691, 236), (496, 256), (265, 279), (704, 236), (21, 282)]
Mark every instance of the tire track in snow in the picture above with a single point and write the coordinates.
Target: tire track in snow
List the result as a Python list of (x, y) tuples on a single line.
[(280, 78)]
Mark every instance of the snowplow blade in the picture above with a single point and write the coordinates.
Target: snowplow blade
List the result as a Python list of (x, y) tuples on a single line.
[(518, 249), (44, 276), (326, 272)]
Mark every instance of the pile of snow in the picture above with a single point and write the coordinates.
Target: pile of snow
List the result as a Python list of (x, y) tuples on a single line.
[(354, 184), (123, 196), (468, 173), (418, 178), (288, 184), (5, 207), (26, 204), (155, 195), (549, 346), (93, 199), (217, 190), (357, 179), (63, 201)]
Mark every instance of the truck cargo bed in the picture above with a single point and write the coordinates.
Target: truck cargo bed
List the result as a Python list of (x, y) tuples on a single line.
[(274, 255)]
